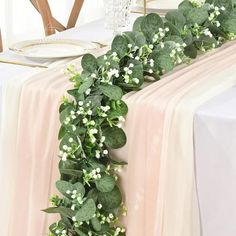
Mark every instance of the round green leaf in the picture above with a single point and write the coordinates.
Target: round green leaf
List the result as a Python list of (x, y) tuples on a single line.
[(112, 200), (96, 224), (176, 18), (151, 24), (89, 63), (105, 184), (137, 24), (120, 45), (87, 211), (112, 91), (115, 137), (63, 186), (197, 15)]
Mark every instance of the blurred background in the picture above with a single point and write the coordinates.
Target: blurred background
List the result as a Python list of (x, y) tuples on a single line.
[(19, 20)]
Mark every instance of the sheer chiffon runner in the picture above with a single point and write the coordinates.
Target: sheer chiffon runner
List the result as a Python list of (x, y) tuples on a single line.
[(158, 183)]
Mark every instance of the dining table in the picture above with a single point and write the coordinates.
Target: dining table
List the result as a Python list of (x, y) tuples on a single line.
[(29, 124)]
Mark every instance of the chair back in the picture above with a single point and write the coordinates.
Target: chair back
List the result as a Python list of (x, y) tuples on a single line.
[(51, 25)]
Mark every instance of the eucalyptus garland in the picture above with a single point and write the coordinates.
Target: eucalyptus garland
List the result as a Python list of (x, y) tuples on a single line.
[(92, 114)]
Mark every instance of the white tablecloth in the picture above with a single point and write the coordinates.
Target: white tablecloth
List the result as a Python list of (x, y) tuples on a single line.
[(215, 148)]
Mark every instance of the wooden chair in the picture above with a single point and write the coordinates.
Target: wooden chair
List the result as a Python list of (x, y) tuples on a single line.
[(51, 25)]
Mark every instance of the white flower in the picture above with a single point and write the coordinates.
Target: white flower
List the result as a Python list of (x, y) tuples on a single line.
[(98, 170), (93, 140), (73, 196), (74, 218), (103, 138), (150, 71), (58, 231), (131, 65), (97, 154), (162, 45), (73, 207), (162, 34), (119, 125), (114, 54), (111, 216), (105, 152), (65, 147), (85, 120), (167, 29), (88, 91), (81, 103), (93, 75), (222, 8), (126, 69), (160, 30), (129, 45), (136, 80), (151, 46), (121, 118), (137, 58), (99, 206), (89, 112), (68, 192), (71, 140), (130, 72), (73, 127)]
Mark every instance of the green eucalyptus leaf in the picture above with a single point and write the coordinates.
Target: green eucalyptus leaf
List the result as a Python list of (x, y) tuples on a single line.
[(62, 132), (63, 186), (95, 164), (137, 24), (151, 24), (188, 38), (112, 91), (225, 3), (229, 25), (72, 172), (176, 18), (120, 110), (115, 137), (67, 212), (105, 184), (96, 224), (185, 6), (80, 233), (173, 30), (119, 45), (87, 211), (89, 63), (112, 200), (190, 51), (87, 83), (165, 62), (175, 38), (93, 194), (135, 38), (197, 15)]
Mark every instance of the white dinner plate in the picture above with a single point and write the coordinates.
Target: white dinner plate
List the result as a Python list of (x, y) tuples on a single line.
[(52, 48)]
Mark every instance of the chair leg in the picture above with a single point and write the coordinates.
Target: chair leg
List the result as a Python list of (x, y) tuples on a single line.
[(75, 13), (46, 14)]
